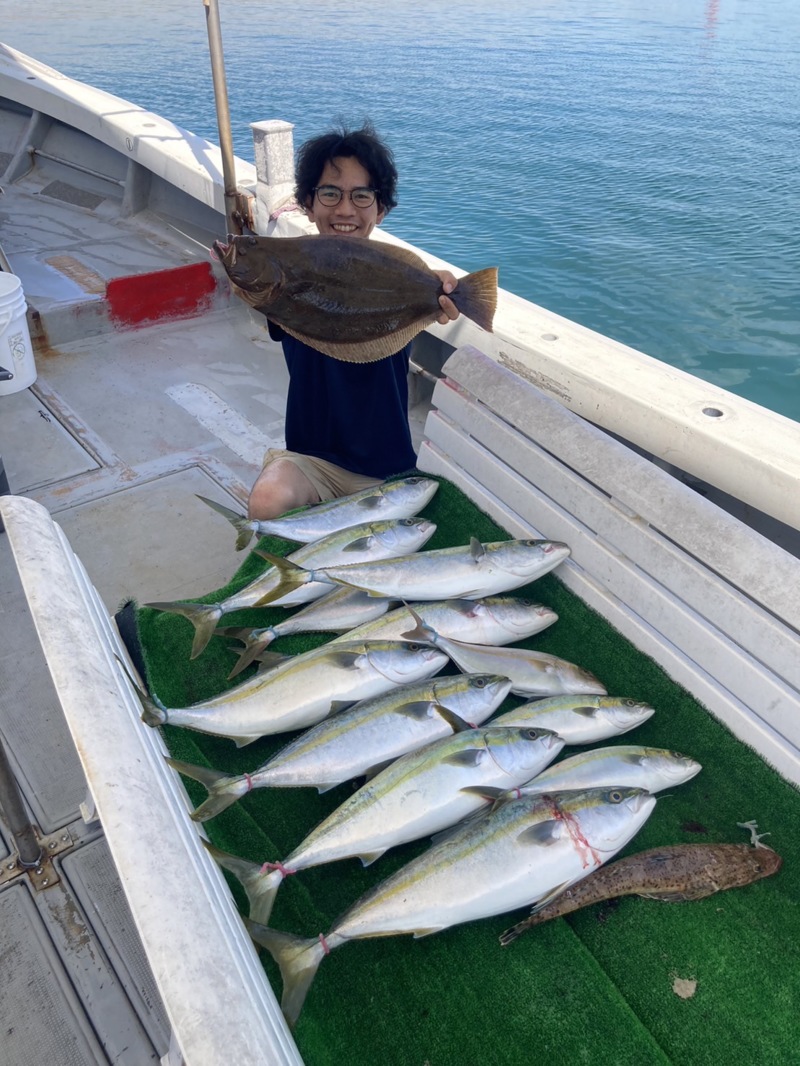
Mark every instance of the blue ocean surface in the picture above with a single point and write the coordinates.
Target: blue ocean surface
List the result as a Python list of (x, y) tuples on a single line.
[(629, 164)]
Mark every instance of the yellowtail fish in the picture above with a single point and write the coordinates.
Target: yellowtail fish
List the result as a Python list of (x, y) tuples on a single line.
[(532, 673), (527, 851), (354, 300), (302, 690), (672, 874), (418, 794), (581, 719), (361, 739), (402, 498), (652, 768), (342, 611), (493, 620), (391, 538), (466, 572)]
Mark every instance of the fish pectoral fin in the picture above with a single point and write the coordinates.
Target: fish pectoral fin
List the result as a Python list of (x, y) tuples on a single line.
[(242, 742), (486, 792), (551, 895), (361, 545), (427, 932), (418, 711), (345, 659), (468, 757), (457, 724), (368, 857), (543, 834), (340, 705)]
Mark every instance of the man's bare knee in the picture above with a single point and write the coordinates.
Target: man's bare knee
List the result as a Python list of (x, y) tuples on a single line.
[(280, 487)]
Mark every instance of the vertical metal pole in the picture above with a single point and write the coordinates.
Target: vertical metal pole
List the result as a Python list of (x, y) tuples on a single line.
[(223, 111), (28, 849)]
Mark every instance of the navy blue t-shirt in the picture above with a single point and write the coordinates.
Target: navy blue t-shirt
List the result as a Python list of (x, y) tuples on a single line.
[(352, 414)]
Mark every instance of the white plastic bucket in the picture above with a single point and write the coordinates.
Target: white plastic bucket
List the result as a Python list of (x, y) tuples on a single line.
[(16, 350)]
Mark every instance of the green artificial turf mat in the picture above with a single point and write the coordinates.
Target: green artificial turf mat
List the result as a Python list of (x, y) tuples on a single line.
[(599, 987)]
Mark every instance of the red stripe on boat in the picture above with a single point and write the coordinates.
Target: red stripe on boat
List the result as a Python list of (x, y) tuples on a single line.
[(177, 293)]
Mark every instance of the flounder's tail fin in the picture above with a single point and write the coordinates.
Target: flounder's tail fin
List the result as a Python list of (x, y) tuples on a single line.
[(203, 616), (476, 296), (223, 790), (298, 960)]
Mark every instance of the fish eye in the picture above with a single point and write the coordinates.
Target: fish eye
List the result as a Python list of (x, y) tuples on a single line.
[(629, 703), (408, 521), (677, 755), (479, 682), (532, 734), (530, 543), (615, 796)]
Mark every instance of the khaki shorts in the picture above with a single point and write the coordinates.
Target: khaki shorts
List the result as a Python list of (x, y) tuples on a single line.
[(330, 481)]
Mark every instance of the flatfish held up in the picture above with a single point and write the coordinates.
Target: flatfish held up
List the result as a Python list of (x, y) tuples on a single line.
[(356, 300)]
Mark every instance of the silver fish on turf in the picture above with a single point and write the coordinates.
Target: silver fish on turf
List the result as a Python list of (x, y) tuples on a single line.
[(525, 852), (581, 719), (532, 673), (340, 611), (493, 620), (419, 794), (403, 498), (361, 739), (625, 764), (469, 571), (373, 540), (303, 690)]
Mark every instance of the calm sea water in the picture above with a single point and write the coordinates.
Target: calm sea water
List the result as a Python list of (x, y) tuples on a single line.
[(629, 164)]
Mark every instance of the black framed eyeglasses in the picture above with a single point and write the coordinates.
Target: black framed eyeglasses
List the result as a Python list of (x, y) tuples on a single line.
[(330, 195)]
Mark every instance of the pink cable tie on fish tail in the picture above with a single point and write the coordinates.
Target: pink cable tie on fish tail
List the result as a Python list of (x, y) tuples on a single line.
[(283, 870), (324, 944), (249, 781)]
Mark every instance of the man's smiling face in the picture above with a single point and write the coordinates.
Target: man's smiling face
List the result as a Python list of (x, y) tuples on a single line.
[(345, 219)]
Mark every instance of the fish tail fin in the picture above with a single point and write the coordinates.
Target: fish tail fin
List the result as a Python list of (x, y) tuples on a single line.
[(298, 959), (421, 631), (245, 527), (223, 790), (253, 647), (291, 577), (260, 887), (203, 616), (476, 296), (154, 713), (510, 935)]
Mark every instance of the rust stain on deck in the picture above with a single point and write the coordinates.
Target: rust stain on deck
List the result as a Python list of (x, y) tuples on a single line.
[(88, 279)]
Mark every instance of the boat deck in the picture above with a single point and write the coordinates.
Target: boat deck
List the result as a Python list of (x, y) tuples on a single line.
[(121, 431)]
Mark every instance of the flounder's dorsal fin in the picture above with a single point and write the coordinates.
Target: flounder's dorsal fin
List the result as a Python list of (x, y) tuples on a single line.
[(365, 351)]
